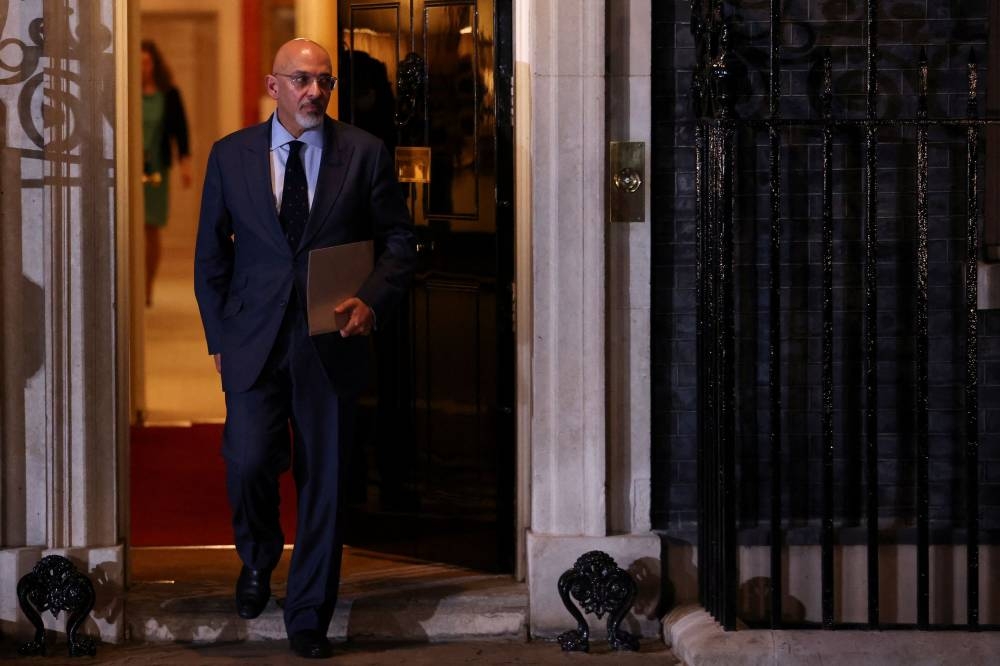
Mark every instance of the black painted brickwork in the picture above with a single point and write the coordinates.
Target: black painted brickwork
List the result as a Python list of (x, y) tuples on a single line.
[(948, 30)]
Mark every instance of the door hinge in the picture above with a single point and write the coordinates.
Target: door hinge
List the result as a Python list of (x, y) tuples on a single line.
[(513, 307), (512, 100)]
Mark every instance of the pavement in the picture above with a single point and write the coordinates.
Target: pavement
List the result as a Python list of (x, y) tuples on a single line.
[(353, 653), (698, 640)]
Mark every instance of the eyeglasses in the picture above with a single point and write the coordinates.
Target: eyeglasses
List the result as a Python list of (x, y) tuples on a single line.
[(302, 81)]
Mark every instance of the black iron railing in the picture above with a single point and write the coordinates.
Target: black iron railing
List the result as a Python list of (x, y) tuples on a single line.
[(716, 137)]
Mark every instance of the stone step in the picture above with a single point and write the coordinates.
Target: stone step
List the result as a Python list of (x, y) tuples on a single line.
[(474, 607)]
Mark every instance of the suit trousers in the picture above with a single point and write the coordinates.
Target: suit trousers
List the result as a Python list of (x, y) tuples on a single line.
[(291, 417)]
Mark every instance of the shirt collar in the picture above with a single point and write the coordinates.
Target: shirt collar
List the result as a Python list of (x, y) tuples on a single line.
[(280, 136)]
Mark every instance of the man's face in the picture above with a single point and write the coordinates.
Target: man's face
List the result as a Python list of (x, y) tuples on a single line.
[(300, 107)]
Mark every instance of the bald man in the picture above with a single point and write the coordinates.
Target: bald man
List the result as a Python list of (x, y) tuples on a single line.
[(273, 192)]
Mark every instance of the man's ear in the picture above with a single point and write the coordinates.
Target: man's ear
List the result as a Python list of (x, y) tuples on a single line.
[(271, 85)]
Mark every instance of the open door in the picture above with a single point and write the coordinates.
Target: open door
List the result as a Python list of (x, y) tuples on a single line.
[(436, 439)]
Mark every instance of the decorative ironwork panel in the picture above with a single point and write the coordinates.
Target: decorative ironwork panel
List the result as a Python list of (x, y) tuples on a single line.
[(55, 585), (599, 587)]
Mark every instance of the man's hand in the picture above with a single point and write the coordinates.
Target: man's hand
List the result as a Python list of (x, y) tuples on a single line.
[(218, 362), (362, 318)]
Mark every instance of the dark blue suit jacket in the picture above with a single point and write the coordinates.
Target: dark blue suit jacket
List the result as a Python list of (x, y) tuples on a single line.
[(245, 272)]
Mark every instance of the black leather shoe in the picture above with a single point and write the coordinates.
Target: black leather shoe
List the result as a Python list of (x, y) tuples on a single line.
[(311, 644), (253, 589)]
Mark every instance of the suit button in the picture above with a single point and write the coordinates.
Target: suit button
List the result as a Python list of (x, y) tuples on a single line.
[(284, 303)]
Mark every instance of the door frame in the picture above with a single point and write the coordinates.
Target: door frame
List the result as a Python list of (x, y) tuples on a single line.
[(513, 402), (130, 255)]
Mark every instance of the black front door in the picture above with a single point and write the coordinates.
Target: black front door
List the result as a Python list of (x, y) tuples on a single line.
[(435, 478)]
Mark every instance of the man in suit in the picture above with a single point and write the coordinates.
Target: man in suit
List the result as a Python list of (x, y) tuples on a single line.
[(273, 192)]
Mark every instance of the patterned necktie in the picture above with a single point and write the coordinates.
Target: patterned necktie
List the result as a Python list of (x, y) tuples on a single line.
[(294, 197)]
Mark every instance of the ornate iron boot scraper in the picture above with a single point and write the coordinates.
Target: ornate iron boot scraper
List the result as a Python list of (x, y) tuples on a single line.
[(55, 585), (598, 584)]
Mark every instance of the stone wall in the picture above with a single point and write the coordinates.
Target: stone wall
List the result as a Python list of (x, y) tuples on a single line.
[(59, 432)]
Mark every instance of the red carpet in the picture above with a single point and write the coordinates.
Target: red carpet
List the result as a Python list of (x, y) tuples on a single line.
[(178, 488)]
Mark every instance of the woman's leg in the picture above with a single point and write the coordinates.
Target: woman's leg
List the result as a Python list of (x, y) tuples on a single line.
[(153, 251)]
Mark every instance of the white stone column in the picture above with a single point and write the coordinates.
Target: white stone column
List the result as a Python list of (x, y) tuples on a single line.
[(61, 439), (317, 20), (567, 161), (560, 47)]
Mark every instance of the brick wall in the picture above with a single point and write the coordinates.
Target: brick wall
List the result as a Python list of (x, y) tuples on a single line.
[(948, 30)]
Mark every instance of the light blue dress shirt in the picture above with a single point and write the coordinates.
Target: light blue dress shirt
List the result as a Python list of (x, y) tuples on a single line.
[(311, 153)]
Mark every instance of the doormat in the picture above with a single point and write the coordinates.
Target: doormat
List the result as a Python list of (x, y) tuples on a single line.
[(178, 488)]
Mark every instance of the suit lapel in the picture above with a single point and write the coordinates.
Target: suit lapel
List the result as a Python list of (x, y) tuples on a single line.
[(329, 183), (261, 195)]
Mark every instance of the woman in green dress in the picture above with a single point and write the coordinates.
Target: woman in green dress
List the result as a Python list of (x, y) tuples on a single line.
[(164, 128)]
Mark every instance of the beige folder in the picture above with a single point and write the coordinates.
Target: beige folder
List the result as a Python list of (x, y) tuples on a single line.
[(335, 274)]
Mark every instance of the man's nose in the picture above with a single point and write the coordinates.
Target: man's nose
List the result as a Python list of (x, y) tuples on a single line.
[(314, 89)]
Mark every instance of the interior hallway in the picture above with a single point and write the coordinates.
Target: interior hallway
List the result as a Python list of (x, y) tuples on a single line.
[(180, 379), (182, 386)]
